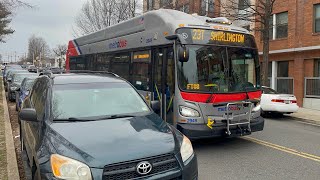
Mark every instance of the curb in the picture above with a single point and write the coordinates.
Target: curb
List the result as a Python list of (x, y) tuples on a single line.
[(12, 166), (305, 120)]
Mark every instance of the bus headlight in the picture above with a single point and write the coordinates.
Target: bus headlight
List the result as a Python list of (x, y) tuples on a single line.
[(186, 149), (188, 112), (66, 168)]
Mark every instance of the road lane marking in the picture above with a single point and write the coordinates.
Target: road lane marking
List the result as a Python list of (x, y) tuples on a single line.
[(284, 149)]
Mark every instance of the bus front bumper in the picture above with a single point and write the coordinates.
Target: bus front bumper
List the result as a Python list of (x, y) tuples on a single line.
[(201, 131)]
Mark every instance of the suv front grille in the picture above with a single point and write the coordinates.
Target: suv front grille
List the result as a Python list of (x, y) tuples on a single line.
[(127, 170)]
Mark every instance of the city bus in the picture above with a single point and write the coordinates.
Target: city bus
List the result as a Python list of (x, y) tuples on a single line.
[(202, 73)]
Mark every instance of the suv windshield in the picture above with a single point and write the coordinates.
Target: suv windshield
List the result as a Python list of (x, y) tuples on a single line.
[(219, 69), (94, 100)]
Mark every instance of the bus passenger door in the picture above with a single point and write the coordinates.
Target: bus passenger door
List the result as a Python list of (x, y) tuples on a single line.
[(163, 81), (141, 73)]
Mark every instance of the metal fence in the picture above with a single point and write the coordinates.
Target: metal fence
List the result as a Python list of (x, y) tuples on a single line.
[(312, 87), (285, 85)]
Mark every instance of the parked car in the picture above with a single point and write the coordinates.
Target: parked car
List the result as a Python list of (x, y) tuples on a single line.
[(24, 90), (15, 83), (277, 103), (7, 68), (56, 70), (10, 73), (80, 126), (32, 68)]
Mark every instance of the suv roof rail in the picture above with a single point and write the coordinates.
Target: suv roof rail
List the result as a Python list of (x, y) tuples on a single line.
[(93, 72)]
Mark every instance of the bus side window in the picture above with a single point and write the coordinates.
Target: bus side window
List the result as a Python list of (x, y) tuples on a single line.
[(78, 63), (103, 62), (120, 64)]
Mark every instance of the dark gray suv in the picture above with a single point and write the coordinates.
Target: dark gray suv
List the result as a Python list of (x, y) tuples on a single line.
[(81, 126)]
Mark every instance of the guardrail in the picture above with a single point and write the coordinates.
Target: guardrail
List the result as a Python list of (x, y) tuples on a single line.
[(312, 87), (285, 85)]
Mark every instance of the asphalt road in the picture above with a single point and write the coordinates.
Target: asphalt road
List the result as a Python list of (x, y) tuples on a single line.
[(285, 149)]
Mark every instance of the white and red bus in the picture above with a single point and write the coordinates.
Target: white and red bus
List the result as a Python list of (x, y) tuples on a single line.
[(202, 72)]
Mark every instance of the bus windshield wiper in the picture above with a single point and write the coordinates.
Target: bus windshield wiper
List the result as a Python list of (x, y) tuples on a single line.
[(211, 95)]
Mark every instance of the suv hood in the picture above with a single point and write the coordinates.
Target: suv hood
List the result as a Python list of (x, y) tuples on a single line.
[(98, 143)]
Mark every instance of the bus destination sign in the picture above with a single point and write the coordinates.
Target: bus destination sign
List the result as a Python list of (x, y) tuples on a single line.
[(203, 36)]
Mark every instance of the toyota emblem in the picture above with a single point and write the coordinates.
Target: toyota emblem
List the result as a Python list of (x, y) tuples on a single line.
[(144, 168)]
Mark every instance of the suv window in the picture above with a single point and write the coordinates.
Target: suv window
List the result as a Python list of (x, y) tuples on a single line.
[(96, 99), (38, 97)]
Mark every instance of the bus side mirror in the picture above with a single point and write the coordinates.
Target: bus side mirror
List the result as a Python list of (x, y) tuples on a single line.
[(183, 54), (155, 105)]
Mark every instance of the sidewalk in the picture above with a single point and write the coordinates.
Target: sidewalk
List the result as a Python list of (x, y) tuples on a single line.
[(307, 115), (10, 162)]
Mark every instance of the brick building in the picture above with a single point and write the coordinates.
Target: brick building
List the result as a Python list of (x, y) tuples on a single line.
[(295, 50), (209, 8)]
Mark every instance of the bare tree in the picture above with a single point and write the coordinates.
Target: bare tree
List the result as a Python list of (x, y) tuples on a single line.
[(7, 7), (4, 22), (255, 11), (60, 51), (38, 50), (99, 14)]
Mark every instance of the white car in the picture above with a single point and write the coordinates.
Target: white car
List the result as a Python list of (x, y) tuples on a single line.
[(274, 102)]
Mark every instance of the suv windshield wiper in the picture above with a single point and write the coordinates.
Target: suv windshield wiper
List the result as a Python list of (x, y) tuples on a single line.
[(72, 119), (115, 116), (97, 118)]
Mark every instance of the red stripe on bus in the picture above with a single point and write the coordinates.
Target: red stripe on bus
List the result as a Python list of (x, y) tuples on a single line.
[(72, 51), (218, 98)]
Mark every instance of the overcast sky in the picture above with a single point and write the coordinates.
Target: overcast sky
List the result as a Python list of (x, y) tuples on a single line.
[(50, 19)]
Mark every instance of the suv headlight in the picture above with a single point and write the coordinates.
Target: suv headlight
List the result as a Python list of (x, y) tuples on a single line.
[(186, 149), (188, 112), (66, 168)]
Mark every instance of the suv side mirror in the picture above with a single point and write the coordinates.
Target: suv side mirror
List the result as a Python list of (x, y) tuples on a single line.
[(28, 114), (9, 79), (183, 54), (155, 105)]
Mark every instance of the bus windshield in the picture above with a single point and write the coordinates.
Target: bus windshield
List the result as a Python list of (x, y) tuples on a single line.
[(219, 69)]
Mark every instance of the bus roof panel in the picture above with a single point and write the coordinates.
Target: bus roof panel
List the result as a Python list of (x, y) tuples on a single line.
[(152, 26)]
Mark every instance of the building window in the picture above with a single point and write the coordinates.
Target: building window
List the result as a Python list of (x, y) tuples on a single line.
[(271, 28), (283, 69), (278, 26), (203, 9), (243, 4), (165, 3), (185, 8), (150, 4), (281, 25), (317, 68), (317, 18), (211, 6)]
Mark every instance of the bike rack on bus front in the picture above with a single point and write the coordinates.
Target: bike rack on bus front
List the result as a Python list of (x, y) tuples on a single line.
[(243, 103)]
